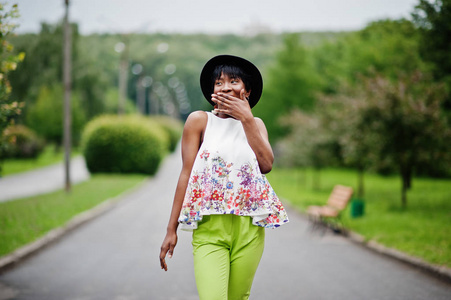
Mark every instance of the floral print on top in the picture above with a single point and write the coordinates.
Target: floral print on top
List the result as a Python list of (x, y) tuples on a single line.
[(226, 179)]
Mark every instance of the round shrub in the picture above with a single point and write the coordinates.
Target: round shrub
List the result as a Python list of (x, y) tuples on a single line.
[(173, 127), (22, 142), (123, 144)]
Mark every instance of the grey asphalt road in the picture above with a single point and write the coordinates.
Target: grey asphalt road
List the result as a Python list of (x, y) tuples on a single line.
[(41, 181), (116, 257)]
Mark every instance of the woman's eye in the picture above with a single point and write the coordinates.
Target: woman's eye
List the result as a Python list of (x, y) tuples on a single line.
[(218, 83)]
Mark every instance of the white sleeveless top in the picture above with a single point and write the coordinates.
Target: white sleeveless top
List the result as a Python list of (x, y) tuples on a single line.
[(226, 179)]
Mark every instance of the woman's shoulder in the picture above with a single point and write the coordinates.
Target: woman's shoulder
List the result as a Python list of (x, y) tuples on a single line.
[(197, 116), (197, 119)]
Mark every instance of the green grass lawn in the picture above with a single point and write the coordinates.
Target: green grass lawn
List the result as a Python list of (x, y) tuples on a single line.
[(423, 229), (23, 221), (47, 157)]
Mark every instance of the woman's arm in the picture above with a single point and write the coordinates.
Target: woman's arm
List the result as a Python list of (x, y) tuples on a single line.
[(255, 129), (191, 141), (257, 137)]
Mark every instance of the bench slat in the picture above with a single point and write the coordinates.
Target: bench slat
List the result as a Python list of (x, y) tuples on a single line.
[(338, 200)]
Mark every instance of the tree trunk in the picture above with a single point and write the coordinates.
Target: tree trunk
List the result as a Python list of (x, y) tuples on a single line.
[(404, 194), (406, 177), (360, 191)]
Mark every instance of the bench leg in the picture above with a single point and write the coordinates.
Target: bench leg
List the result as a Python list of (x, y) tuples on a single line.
[(337, 226), (317, 224)]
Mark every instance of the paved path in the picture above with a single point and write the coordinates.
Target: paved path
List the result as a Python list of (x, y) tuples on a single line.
[(41, 181), (115, 257)]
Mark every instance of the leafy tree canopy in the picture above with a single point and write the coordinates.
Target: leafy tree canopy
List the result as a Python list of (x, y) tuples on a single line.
[(9, 108), (434, 21)]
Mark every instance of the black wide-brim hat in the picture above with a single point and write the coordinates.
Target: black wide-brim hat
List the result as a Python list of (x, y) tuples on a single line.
[(248, 68)]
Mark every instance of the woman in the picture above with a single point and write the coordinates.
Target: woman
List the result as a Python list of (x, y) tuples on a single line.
[(222, 194)]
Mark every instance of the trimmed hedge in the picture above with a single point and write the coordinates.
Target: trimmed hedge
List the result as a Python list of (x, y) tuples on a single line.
[(124, 144), (173, 127), (21, 142)]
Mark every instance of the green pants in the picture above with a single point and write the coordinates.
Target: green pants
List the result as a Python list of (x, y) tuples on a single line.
[(227, 250)]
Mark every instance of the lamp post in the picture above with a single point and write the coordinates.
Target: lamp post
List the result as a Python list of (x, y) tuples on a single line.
[(137, 70), (67, 135), (146, 82), (122, 48)]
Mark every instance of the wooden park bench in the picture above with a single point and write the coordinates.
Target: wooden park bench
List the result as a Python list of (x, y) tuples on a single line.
[(329, 214)]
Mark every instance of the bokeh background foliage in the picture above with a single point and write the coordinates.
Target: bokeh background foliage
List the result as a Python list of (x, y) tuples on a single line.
[(375, 100)]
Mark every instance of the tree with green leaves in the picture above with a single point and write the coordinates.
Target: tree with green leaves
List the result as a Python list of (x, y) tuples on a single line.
[(44, 68), (46, 117), (382, 123), (434, 21), (406, 124), (386, 47), (291, 83), (9, 108)]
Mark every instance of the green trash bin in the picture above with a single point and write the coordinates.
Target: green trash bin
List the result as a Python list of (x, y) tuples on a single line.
[(357, 208)]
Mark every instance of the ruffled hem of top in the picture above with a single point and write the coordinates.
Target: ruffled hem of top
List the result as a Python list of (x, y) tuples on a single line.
[(266, 220)]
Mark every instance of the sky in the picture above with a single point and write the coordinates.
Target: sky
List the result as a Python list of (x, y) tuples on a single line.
[(215, 17)]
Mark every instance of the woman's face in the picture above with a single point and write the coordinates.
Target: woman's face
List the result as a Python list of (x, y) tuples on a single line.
[(228, 85)]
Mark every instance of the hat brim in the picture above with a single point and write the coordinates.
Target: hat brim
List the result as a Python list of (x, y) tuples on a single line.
[(248, 67)]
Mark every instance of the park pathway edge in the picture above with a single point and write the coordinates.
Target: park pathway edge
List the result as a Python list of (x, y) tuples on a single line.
[(438, 270), (442, 272), (10, 260)]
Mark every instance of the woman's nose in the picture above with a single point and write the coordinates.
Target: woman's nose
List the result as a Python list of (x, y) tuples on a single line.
[(226, 88)]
